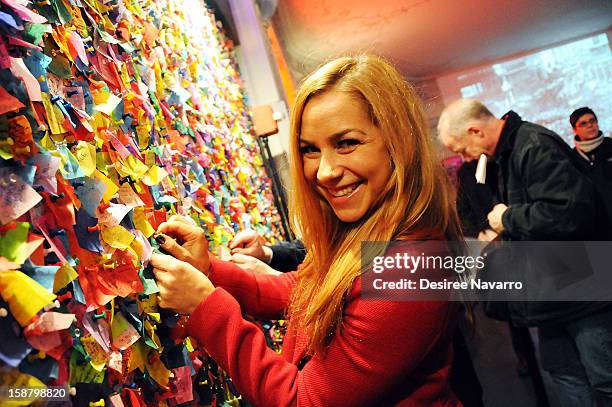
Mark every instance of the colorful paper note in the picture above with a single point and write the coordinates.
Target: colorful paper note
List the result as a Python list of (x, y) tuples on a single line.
[(16, 197), (24, 296)]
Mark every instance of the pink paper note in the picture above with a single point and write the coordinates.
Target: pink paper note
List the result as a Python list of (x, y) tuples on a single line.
[(45, 342), (25, 13), (51, 322), (45, 175), (99, 330), (147, 250), (116, 401), (120, 148), (128, 197), (21, 43), (77, 43), (115, 361), (6, 265), (36, 221), (182, 384), (20, 71)]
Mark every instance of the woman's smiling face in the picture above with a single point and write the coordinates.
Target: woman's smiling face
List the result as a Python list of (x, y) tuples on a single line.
[(344, 156)]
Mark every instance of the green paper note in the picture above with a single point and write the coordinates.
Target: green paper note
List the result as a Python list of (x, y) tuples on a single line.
[(12, 242)]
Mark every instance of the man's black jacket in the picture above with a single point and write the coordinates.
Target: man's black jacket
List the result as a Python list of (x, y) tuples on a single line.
[(548, 197)]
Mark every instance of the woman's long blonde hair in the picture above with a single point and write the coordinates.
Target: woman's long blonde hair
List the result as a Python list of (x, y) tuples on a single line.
[(417, 200)]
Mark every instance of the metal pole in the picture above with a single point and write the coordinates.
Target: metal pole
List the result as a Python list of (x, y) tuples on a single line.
[(277, 191)]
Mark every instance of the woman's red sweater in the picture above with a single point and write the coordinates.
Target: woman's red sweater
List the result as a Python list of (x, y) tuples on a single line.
[(386, 352)]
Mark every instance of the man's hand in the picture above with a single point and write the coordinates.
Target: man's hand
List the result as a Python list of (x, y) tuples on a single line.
[(181, 238), (249, 242), (495, 217), (181, 287), (487, 235), (251, 263)]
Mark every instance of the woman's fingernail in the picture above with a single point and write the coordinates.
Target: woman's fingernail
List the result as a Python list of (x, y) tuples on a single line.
[(160, 239)]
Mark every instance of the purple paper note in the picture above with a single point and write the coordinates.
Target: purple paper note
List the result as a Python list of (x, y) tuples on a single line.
[(16, 197), (10, 21)]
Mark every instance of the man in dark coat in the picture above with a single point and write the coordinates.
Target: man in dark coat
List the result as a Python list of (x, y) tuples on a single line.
[(593, 154), (544, 197)]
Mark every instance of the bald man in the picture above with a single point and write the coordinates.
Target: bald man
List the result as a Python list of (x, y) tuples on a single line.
[(544, 197)]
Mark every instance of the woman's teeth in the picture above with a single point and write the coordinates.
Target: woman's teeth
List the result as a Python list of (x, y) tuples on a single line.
[(344, 191)]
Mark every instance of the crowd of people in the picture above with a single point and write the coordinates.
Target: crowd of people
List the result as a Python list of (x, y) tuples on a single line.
[(364, 168)]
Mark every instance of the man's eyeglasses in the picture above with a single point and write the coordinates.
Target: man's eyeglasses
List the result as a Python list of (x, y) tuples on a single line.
[(585, 123)]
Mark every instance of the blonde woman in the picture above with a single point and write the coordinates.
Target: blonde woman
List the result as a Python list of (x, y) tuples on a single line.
[(363, 168)]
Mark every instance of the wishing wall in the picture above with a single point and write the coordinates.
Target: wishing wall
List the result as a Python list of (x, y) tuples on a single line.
[(114, 115)]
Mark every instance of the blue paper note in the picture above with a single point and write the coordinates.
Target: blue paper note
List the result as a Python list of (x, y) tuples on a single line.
[(38, 63), (44, 275), (13, 349), (90, 193), (45, 369), (77, 292), (8, 19), (71, 168), (26, 173), (87, 240)]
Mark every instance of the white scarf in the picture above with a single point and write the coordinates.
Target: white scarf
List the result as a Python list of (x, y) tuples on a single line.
[(589, 145)]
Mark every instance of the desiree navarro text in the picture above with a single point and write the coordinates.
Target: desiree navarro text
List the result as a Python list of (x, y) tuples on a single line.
[(405, 261)]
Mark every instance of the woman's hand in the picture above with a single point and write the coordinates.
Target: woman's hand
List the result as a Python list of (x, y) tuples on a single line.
[(251, 263), (248, 242), (181, 287), (181, 238)]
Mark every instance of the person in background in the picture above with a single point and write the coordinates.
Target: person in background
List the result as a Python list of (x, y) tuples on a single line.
[(544, 197), (363, 169), (282, 256), (474, 202), (594, 157)]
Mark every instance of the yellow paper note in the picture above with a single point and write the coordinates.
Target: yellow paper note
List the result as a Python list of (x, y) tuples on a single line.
[(189, 345), (24, 295), (141, 222), (158, 371), (13, 378), (148, 305), (55, 116), (117, 237), (85, 154), (111, 187), (124, 334), (109, 105), (137, 356), (63, 276), (154, 175), (131, 167), (98, 356), (27, 249)]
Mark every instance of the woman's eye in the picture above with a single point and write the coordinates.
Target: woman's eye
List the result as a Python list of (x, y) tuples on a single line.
[(348, 144), (307, 150)]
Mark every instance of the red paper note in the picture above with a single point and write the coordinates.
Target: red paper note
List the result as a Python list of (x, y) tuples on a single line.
[(8, 103)]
